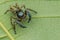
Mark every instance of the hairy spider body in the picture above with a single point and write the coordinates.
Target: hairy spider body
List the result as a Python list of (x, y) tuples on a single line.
[(19, 15)]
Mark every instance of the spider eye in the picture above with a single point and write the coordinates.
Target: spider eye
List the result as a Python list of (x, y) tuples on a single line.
[(20, 14)]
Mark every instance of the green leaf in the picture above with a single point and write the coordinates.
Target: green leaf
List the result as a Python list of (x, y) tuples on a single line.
[(45, 25)]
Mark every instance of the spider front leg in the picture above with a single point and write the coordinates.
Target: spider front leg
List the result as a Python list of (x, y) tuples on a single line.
[(13, 23), (31, 10), (23, 6), (6, 11), (20, 24), (28, 13)]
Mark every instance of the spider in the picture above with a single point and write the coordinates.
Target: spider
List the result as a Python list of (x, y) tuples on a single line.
[(19, 15)]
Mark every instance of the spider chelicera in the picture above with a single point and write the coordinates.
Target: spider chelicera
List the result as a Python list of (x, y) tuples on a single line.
[(19, 15)]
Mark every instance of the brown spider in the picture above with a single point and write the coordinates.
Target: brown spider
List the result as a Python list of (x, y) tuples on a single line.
[(19, 15)]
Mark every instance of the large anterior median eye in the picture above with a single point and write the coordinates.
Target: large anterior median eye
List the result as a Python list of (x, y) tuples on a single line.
[(20, 14)]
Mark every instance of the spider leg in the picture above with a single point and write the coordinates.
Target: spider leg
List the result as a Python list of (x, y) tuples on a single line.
[(16, 6), (6, 11), (28, 13), (12, 8), (19, 23), (13, 24), (23, 6), (14, 28), (31, 10)]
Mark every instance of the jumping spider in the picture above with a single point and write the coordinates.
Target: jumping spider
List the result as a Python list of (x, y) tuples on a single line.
[(19, 15)]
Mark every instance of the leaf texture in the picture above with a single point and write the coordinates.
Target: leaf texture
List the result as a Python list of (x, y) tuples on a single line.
[(45, 25)]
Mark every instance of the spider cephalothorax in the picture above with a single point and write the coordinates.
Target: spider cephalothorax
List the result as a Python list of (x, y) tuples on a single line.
[(19, 15)]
